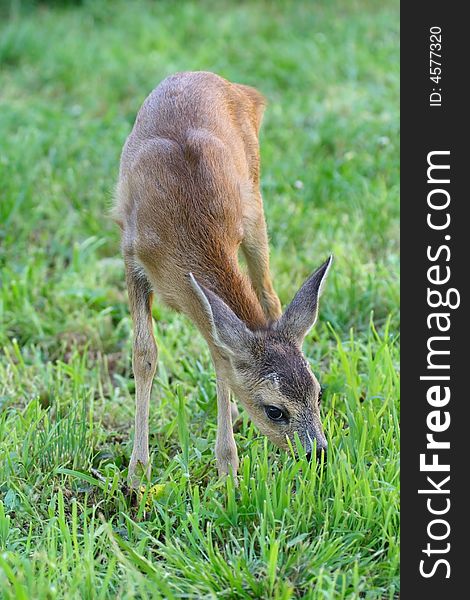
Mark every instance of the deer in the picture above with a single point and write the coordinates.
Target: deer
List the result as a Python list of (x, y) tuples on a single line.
[(187, 200)]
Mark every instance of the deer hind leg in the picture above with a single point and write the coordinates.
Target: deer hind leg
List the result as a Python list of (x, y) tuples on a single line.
[(255, 248), (144, 364)]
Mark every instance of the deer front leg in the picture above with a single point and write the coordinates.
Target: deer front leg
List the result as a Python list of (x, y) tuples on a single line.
[(144, 363), (225, 447), (255, 248), (236, 418)]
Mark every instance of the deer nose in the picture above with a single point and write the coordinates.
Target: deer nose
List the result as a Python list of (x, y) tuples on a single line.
[(321, 446)]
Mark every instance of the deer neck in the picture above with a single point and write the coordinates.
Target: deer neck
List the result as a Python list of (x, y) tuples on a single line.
[(235, 289)]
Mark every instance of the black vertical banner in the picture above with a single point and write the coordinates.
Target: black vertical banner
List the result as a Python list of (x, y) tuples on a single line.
[(435, 251)]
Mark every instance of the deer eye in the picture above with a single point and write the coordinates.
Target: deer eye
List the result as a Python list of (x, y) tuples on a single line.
[(275, 413)]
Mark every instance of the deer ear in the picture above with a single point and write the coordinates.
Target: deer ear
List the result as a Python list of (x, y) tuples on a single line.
[(302, 312), (228, 332)]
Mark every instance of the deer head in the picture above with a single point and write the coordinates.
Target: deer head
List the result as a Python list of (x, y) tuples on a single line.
[(266, 369)]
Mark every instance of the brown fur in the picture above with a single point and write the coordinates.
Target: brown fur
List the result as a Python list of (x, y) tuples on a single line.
[(187, 193), (187, 199)]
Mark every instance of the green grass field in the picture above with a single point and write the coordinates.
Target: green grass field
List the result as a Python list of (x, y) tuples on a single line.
[(71, 81)]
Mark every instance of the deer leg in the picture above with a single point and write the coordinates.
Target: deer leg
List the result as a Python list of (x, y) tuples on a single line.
[(255, 248), (234, 411), (144, 363), (225, 447), (237, 419)]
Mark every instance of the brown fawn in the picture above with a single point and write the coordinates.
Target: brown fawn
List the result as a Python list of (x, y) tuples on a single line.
[(187, 199)]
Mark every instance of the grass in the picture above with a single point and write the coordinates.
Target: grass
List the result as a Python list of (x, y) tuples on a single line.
[(72, 79)]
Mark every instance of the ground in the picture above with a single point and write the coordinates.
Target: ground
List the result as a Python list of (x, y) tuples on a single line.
[(72, 78)]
